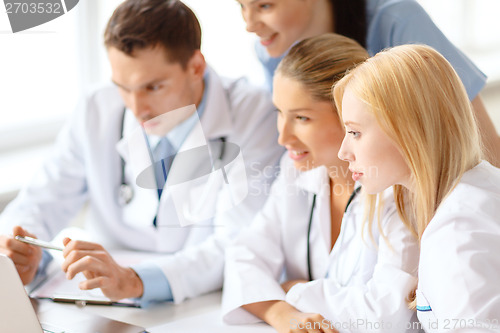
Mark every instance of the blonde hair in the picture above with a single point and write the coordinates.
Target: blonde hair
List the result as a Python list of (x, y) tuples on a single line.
[(319, 62), (419, 102)]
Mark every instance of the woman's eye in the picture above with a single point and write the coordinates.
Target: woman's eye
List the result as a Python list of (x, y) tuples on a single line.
[(265, 6), (354, 134), (154, 87), (302, 118)]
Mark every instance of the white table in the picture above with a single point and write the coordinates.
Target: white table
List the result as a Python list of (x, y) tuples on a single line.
[(198, 315)]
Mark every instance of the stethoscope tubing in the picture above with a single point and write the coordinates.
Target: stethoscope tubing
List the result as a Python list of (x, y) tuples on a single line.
[(313, 205)]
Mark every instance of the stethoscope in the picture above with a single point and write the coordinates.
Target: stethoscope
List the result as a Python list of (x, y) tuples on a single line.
[(351, 198), (125, 190)]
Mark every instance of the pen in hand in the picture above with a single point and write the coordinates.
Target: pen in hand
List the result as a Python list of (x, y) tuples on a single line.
[(37, 242)]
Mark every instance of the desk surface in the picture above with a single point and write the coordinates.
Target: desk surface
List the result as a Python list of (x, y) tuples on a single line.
[(200, 314)]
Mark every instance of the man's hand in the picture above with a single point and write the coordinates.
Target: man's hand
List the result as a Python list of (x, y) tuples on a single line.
[(101, 271), (26, 257), (287, 319)]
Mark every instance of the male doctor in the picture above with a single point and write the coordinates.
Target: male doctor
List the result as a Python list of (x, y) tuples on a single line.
[(157, 67)]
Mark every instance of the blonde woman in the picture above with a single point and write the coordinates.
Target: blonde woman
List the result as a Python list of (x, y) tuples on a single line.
[(407, 116), (308, 263)]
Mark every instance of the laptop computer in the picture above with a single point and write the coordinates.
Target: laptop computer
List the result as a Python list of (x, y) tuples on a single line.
[(20, 314)]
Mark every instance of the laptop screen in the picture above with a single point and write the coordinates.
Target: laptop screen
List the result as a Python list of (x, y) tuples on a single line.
[(16, 312), (20, 314)]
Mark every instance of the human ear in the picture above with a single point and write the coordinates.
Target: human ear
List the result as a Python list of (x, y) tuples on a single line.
[(197, 64)]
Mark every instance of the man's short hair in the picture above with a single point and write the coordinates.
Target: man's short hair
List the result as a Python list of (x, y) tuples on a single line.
[(140, 24)]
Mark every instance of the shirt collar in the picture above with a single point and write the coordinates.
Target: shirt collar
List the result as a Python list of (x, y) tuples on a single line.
[(179, 133), (314, 180)]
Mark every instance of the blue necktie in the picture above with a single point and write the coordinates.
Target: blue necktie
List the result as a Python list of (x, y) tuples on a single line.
[(163, 154)]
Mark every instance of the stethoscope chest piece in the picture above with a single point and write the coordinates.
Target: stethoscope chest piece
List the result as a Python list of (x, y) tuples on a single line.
[(125, 194)]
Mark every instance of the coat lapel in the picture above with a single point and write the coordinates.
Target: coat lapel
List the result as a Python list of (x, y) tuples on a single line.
[(133, 148), (192, 185), (316, 181)]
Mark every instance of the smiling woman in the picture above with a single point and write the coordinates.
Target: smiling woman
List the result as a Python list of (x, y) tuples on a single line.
[(309, 129)]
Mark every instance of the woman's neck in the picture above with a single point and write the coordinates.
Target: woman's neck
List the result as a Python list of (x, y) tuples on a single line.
[(341, 188), (340, 176), (322, 19)]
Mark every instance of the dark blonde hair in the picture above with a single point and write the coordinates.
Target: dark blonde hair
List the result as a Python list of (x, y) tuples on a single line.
[(319, 62)]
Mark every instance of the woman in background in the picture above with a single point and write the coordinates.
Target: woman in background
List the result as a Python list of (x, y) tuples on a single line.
[(376, 25), (308, 255), (407, 116)]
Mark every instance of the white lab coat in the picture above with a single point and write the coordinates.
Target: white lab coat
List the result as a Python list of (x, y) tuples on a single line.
[(354, 281), (459, 270), (85, 166)]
